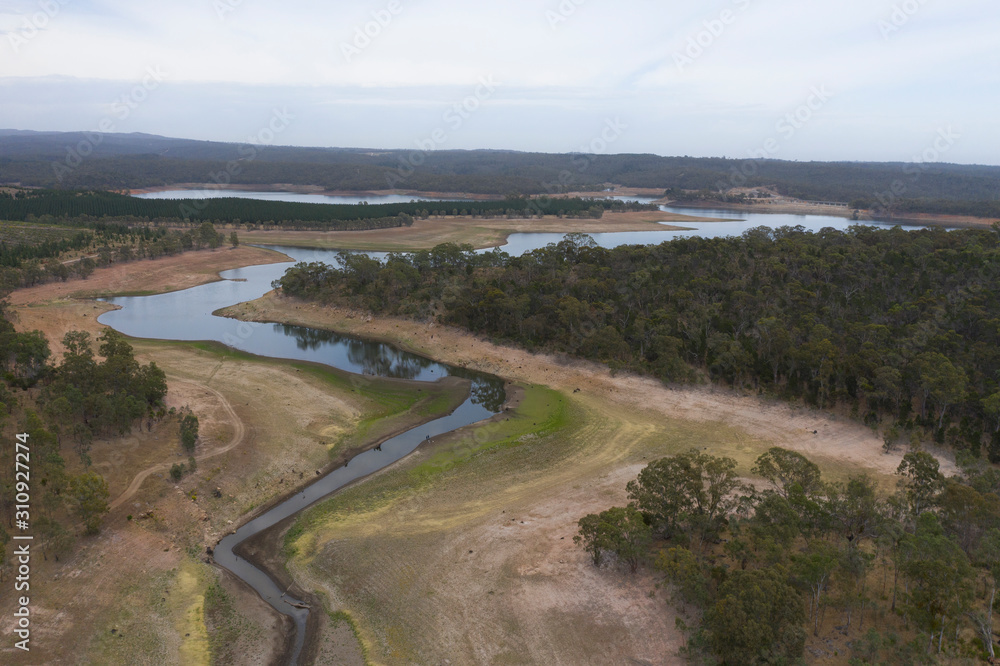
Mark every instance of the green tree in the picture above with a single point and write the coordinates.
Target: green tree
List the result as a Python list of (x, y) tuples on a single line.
[(922, 480), (627, 534), (85, 267), (757, 619), (686, 573), (189, 431), (690, 491), (234, 239), (787, 471), (54, 538), (812, 569), (591, 537), (966, 514), (940, 381), (991, 405), (24, 354), (940, 576), (988, 557), (620, 531), (854, 509), (89, 494), (208, 236)]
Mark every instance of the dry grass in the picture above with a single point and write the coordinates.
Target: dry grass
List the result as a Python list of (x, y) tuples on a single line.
[(478, 232), (395, 550), (145, 277), (136, 594), (464, 551)]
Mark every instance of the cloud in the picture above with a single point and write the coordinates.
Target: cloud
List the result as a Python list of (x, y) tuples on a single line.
[(386, 69)]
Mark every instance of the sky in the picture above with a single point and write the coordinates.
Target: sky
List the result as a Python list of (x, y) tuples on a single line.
[(873, 80)]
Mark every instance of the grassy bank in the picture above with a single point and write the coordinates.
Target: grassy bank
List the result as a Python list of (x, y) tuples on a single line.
[(473, 535), (456, 537), (478, 232), (141, 592)]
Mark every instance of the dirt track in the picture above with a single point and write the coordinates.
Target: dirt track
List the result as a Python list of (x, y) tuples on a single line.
[(239, 435)]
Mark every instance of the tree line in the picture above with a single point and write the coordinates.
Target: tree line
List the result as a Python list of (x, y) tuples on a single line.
[(63, 407), (119, 162), (97, 205), (757, 567), (15, 254), (106, 243), (899, 328)]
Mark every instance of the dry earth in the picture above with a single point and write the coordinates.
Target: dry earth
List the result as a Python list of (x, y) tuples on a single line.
[(136, 594), (478, 232), (839, 444), (479, 566)]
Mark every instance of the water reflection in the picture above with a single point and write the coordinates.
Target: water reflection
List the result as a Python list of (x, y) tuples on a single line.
[(375, 358), (490, 394), (291, 197)]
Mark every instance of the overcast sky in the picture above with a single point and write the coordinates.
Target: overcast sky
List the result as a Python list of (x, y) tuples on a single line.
[(792, 79)]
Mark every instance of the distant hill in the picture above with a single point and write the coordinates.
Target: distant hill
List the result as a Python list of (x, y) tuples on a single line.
[(117, 161)]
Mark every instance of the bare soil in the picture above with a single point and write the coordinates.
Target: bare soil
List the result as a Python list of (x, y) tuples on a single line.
[(480, 567), (452, 577), (136, 593), (478, 232), (838, 442)]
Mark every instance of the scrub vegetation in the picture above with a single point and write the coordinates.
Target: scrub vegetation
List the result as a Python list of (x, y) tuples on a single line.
[(900, 328), (763, 565)]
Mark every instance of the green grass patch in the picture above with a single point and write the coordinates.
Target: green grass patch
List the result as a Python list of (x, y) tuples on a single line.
[(387, 396), (386, 405), (542, 413)]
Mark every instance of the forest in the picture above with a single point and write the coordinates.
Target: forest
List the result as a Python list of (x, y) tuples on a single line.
[(36, 252), (908, 576), (62, 407), (66, 206), (117, 162), (900, 329)]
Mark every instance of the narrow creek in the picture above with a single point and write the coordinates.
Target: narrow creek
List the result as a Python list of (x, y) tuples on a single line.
[(187, 315)]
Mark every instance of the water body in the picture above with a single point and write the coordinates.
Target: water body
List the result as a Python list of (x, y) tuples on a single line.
[(287, 196), (187, 315), (736, 221), (734, 225)]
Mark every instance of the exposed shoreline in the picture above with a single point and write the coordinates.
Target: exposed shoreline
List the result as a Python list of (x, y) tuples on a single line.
[(792, 207), (783, 207)]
